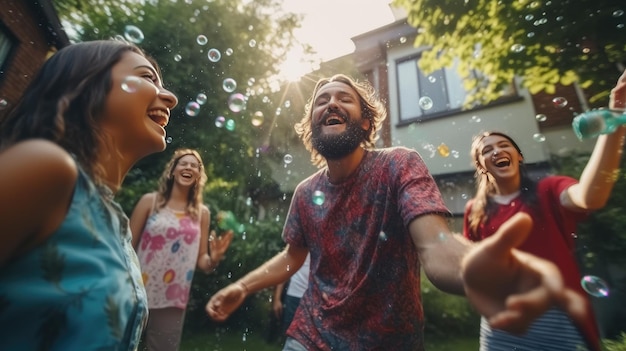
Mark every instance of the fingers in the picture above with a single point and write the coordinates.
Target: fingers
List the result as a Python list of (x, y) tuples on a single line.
[(213, 309), (574, 304), (511, 234), (618, 94), (521, 310)]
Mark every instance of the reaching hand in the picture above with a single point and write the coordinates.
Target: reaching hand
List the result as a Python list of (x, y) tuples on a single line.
[(512, 288), (219, 245), (618, 94), (226, 301)]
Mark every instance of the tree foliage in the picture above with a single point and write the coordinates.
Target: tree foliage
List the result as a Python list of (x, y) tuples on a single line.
[(252, 38), (544, 42)]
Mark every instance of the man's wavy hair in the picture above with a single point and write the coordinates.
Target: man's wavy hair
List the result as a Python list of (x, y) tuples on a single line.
[(372, 108)]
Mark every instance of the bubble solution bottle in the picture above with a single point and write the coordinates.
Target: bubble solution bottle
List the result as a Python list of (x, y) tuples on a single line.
[(595, 122), (226, 221)]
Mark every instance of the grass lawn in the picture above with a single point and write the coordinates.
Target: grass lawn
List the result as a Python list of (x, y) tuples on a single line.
[(237, 342)]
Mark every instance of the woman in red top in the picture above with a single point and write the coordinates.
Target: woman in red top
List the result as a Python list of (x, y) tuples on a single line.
[(556, 204)]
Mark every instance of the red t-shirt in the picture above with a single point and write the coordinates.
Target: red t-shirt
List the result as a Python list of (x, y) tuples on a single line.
[(364, 285), (552, 236)]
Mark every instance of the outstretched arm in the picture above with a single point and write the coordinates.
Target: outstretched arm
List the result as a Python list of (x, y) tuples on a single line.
[(602, 170), (509, 287), (277, 270)]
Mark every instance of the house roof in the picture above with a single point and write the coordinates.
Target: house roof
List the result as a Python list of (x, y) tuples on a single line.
[(49, 20)]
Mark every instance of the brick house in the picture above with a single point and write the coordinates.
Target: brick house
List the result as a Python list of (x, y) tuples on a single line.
[(30, 30)]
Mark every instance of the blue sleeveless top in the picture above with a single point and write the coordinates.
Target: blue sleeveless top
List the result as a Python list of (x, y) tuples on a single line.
[(81, 289)]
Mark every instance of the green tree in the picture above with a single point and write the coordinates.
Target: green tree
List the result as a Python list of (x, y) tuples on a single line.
[(251, 41), (546, 43)]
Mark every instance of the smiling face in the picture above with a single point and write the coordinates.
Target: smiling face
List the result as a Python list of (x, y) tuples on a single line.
[(338, 126), (498, 156), (186, 173), (137, 108)]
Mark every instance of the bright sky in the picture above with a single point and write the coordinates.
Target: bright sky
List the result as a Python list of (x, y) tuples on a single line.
[(328, 26)]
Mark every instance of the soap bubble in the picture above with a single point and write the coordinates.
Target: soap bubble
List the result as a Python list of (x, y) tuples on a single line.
[(133, 34), (595, 286)]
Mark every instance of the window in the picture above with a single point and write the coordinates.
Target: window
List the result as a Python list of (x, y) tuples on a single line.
[(7, 42), (429, 96), (423, 95)]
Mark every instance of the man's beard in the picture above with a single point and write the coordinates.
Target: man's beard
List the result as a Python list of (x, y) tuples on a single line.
[(337, 146)]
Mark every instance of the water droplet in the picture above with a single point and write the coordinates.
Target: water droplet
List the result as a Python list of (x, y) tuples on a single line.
[(455, 154), (220, 121), (252, 43), (201, 40), (168, 140), (287, 159), (559, 102), (3, 104), (517, 47), (229, 52), (432, 79), (177, 58), (229, 85), (541, 117), (130, 84), (214, 55), (475, 119), (538, 137), (425, 103), (237, 102), (133, 34), (201, 98), (318, 197), (382, 236), (257, 118), (230, 125), (192, 109), (595, 286), (249, 201), (618, 13), (443, 150)]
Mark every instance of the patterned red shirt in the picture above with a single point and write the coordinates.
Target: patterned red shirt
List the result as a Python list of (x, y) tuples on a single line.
[(364, 285)]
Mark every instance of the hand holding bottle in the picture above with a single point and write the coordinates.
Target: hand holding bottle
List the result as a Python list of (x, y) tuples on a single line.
[(595, 122), (604, 121)]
